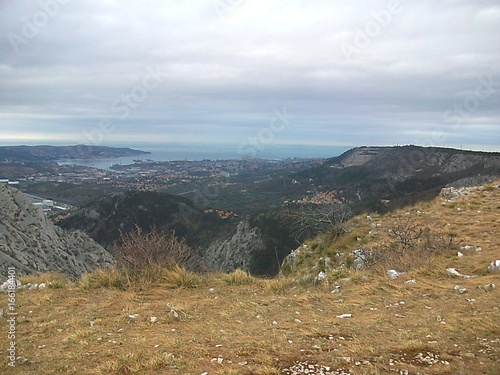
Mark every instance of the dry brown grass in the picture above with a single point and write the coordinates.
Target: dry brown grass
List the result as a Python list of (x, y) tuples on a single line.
[(262, 326)]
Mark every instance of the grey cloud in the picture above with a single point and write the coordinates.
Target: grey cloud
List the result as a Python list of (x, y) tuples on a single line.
[(222, 76)]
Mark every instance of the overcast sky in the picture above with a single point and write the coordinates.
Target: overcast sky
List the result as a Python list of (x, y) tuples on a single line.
[(251, 73)]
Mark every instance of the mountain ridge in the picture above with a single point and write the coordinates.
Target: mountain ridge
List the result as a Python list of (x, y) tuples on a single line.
[(52, 153)]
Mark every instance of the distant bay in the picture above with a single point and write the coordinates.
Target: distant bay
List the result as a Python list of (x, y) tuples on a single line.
[(173, 152)]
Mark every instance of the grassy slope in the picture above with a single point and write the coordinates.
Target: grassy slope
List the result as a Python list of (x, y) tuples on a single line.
[(236, 322)]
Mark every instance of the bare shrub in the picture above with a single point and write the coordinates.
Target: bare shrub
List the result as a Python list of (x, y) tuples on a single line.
[(139, 252), (311, 219), (412, 246), (406, 234)]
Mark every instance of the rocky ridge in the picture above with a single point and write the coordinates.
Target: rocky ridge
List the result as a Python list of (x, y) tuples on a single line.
[(32, 243)]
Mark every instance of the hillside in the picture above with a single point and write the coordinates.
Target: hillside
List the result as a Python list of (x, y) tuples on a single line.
[(355, 320), (32, 243), (371, 176)]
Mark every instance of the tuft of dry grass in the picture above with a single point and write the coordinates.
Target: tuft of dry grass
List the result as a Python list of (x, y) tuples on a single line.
[(178, 277), (238, 277)]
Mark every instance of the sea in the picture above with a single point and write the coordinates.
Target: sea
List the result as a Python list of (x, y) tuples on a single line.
[(176, 152)]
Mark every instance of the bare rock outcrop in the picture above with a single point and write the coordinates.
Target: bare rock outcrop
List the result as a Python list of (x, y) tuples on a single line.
[(232, 253), (32, 243)]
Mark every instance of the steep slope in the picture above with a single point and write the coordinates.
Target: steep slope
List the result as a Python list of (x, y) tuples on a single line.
[(458, 229), (31, 243)]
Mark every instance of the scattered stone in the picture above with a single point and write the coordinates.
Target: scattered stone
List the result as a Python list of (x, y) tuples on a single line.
[(41, 286), (297, 320), (393, 274), (411, 282), (459, 290), (470, 247), (487, 287), (321, 276), (212, 290), (121, 330), (344, 316), (153, 319), (336, 290), (460, 255), (133, 316), (310, 368), (454, 272), (175, 315), (494, 266), (5, 286), (361, 258)]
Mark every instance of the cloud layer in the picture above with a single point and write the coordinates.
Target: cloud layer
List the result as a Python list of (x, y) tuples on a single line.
[(218, 71)]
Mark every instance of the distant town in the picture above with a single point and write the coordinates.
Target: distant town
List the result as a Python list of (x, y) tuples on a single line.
[(175, 177)]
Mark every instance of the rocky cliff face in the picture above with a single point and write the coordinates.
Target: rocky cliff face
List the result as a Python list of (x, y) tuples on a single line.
[(235, 252), (31, 243)]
